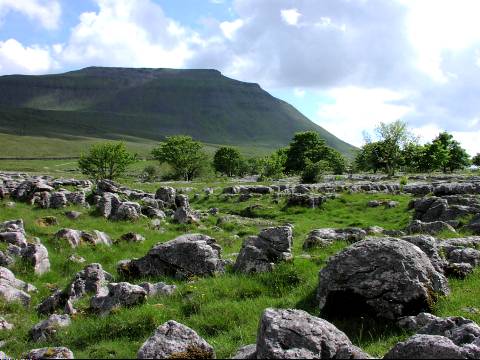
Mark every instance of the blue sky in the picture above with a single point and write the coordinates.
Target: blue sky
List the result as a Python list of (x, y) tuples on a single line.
[(346, 64)]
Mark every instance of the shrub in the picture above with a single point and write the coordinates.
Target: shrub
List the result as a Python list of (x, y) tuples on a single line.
[(314, 172), (149, 173)]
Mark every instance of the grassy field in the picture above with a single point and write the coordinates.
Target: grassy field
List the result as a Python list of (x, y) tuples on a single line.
[(225, 310)]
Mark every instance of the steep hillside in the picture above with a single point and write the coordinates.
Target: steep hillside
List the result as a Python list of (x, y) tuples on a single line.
[(113, 103)]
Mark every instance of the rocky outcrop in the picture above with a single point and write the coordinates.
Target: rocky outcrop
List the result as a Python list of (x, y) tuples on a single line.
[(13, 289), (187, 255), (118, 295), (49, 353), (37, 255), (261, 253), (432, 228), (326, 236), (295, 334), (386, 277), (174, 340), (76, 238), (46, 329)]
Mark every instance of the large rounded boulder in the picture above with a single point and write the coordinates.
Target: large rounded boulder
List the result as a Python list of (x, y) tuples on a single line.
[(383, 277)]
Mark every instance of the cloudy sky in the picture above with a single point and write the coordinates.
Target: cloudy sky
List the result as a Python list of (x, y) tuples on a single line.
[(346, 64)]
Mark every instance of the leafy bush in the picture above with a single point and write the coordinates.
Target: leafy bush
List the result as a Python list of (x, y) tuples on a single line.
[(149, 173), (314, 172)]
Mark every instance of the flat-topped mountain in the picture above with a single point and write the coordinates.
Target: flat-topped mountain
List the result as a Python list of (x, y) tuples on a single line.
[(114, 103)]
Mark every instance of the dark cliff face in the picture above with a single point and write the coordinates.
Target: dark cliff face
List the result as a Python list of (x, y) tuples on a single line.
[(153, 103)]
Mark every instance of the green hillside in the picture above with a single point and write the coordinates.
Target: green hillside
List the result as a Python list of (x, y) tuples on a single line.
[(149, 104)]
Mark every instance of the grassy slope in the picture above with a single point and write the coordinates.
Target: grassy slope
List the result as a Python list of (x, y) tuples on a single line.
[(150, 104), (224, 309)]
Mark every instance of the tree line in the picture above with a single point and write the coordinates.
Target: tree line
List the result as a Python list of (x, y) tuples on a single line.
[(307, 155)]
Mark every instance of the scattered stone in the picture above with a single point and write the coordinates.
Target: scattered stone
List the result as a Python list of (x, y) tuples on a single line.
[(187, 255), (306, 200), (15, 237), (49, 353), (132, 237), (47, 221), (260, 253), (73, 215), (326, 237), (46, 329), (426, 347), (287, 334), (153, 213), (166, 194), (174, 340), (184, 215), (128, 211), (5, 259), (465, 255), (58, 200), (387, 277), (76, 259), (37, 255), (158, 289), (119, 295), (78, 237), (246, 352), (13, 289), (108, 205), (432, 228), (5, 325)]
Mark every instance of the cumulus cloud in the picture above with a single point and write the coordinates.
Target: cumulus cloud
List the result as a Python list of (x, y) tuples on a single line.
[(16, 58), (47, 12), (130, 33)]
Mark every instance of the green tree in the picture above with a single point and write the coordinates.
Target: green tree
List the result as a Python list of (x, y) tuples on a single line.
[(314, 172), (476, 160), (106, 161), (449, 155), (273, 166), (304, 146), (393, 138), (458, 157), (336, 161), (227, 161), (369, 158), (184, 155)]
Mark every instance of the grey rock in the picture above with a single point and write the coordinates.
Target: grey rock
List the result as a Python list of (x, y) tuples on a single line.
[(78, 237), (90, 280), (465, 255), (166, 194), (58, 200), (185, 215), (246, 352), (13, 289), (73, 237), (326, 236), (458, 270), (260, 253), (5, 325), (5, 259), (432, 228), (119, 295), (429, 246), (15, 237), (388, 277), (108, 205), (295, 334), (73, 215), (190, 254), (153, 213), (172, 340), (12, 226), (127, 211), (46, 329), (158, 289), (37, 255), (306, 200), (426, 347), (49, 353), (132, 237)]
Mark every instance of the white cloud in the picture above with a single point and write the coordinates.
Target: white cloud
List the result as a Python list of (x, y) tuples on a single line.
[(349, 111), (299, 93), (130, 33), (229, 28), (48, 12), (16, 58), (290, 16)]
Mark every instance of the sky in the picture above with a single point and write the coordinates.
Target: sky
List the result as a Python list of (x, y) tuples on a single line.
[(346, 64)]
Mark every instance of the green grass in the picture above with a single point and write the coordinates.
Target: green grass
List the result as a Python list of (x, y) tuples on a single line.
[(226, 309)]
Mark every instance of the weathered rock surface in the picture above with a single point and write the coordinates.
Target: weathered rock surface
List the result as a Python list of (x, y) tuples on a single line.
[(77, 237), (430, 247), (387, 277), (46, 329), (49, 353), (158, 289), (427, 347), (174, 340), (13, 289), (295, 334), (119, 295), (132, 237), (191, 254), (128, 211), (326, 236), (5, 325), (260, 253), (37, 255), (306, 200), (432, 228)]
